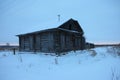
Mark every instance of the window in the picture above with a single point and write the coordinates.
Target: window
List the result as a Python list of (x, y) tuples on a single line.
[(70, 27)]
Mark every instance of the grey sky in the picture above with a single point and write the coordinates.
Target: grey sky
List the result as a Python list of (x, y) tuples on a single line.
[(100, 19)]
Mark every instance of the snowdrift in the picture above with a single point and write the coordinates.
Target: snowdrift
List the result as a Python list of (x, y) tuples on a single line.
[(96, 64)]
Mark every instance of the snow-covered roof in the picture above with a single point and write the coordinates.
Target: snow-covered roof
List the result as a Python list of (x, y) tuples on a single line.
[(58, 28), (69, 30)]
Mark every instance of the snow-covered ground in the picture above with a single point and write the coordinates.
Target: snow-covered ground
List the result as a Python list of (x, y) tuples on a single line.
[(96, 64)]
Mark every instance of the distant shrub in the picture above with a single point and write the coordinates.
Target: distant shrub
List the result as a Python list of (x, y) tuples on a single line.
[(92, 53), (4, 55), (20, 58), (115, 50), (114, 75), (56, 60), (79, 62)]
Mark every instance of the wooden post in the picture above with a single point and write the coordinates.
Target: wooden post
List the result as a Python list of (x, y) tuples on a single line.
[(14, 51)]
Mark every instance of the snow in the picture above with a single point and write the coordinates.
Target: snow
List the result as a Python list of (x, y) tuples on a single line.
[(95, 64), (73, 31)]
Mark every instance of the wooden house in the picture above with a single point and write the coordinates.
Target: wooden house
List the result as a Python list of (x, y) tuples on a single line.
[(66, 37)]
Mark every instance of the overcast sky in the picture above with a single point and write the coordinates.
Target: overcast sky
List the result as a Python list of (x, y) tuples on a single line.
[(100, 19)]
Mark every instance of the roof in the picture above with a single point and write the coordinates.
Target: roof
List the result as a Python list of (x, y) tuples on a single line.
[(37, 32), (59, 28)]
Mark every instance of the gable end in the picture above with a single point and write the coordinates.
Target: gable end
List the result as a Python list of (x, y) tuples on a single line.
[(72, 25)]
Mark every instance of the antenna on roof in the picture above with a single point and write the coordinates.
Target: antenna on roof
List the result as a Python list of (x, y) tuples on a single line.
[(59, 17)]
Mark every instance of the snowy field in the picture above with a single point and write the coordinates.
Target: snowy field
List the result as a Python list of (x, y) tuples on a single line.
[(96, 64)]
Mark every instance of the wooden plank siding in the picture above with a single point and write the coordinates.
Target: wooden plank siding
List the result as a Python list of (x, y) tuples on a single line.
[(57, 41), (31, 43), (66, 41), (46, 42)]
